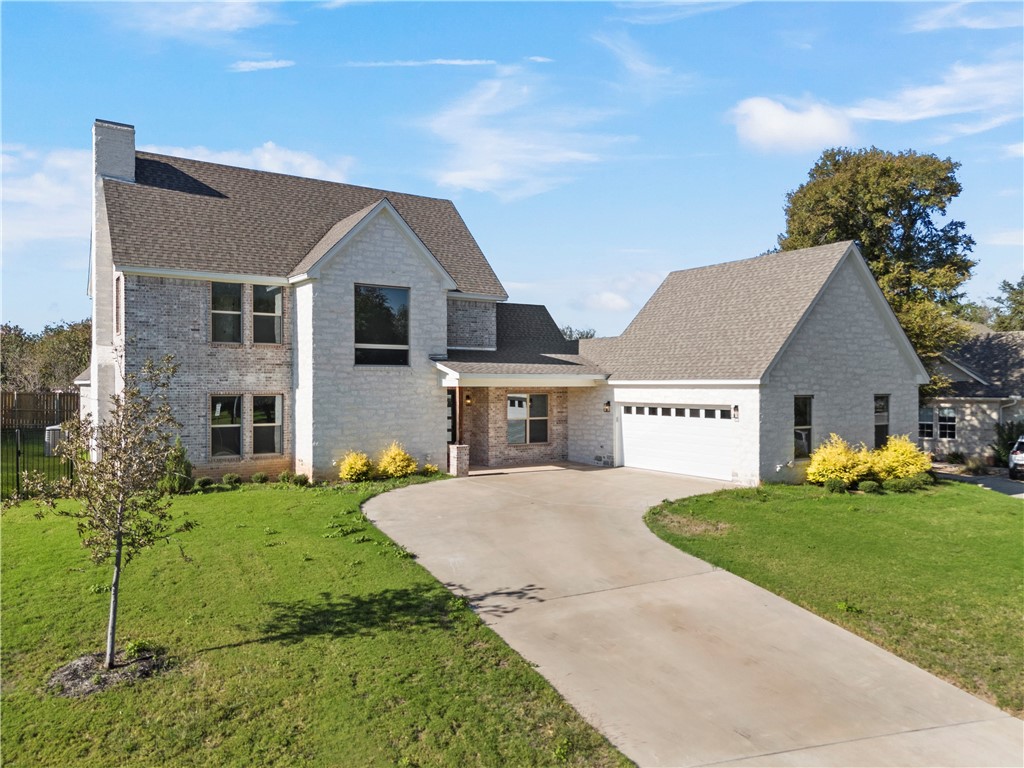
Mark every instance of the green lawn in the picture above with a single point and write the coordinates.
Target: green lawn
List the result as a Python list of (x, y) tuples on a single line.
[(936, 577), (301, 636)]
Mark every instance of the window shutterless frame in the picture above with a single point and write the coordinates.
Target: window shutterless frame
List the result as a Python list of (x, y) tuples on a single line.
[(225, 426), (226, 313), (381, 325), (802, 422), (267, 310), (527, 418), (267, 424)]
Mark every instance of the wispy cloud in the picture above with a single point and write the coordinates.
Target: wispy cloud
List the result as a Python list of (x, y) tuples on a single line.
[(969, 16), (539, 59), (985, 96), (768, 125), (256, 66), (504, 138), (195, 21), (46, 195), (267, 157), (424, 63), (668, 12), (1014, 150), (641, 71)]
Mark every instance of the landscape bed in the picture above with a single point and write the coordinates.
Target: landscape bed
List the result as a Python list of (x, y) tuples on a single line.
[(935, 576), (298, 635)]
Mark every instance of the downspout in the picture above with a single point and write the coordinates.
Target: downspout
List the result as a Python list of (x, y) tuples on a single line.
[(1013, 402)]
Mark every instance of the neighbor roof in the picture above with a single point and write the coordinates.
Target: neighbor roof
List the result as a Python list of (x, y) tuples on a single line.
[(722, 322), (998, 358), (196, 216), (528, 343)]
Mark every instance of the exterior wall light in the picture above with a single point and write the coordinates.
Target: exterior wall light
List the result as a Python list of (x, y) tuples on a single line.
[(735, 413), (607, 406), (468, 400)]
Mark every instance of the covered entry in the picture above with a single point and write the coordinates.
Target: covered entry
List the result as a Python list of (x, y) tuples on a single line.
[(697, 440)]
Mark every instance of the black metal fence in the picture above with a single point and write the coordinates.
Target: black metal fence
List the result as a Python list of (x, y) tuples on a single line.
[(29, 432)]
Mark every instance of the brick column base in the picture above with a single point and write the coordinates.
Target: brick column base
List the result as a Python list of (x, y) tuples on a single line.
[(458, 460)]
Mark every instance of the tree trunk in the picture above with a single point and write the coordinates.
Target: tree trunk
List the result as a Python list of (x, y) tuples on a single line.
[(112, 623)]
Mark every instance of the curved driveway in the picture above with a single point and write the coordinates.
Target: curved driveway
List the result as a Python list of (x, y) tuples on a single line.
[(676, 662)]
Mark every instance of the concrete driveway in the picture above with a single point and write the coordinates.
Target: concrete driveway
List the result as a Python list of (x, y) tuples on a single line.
[(676, 662)]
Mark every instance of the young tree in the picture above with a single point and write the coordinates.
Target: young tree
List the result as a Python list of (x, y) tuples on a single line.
[(121, 510), (1010, 312), (888, 203), (572, 334)]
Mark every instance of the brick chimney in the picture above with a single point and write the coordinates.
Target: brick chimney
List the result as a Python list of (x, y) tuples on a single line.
[(113, 150)]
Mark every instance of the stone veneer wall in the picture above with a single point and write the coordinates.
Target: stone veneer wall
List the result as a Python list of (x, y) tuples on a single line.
[(843, 355), (342, 406), (591, 430), (485, 428), (171, 316), (975, 426), (472, 324)]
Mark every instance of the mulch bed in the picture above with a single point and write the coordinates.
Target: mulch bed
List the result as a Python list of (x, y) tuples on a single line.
[(87, 675)]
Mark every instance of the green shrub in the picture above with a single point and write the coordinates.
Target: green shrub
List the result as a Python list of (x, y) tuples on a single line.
[(835, 485), (177, 477), (868, 486), (1006, 437), (355, 467), (975, 466), (301, 480), (924, 478), (231, 479), (899, 457), (202, 483), (835, 459), (955, 457), (902, 485), (430, 469), (136, 649), (394, 461), (286, 477), (259, 477)]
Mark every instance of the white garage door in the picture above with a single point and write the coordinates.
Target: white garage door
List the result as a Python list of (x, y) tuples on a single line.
[(686, 440)]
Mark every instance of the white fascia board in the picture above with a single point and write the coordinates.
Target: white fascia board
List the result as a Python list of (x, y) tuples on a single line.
[(191, 274), (475, 349), (453, 378), (383, 207), (457, 294), (685, 383)]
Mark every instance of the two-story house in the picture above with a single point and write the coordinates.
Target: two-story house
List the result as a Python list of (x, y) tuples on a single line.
[(310, 318)]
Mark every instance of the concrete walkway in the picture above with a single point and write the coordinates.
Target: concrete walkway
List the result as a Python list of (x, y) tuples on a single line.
[(676, 662)]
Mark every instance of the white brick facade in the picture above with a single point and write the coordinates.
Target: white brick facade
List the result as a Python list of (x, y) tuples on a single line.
[(342, 406), (843, 355), (591, 429)]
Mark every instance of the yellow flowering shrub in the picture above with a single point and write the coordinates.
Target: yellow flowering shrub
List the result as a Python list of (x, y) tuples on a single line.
[(355, 466), (836, 459), (395, 461), (898, 458)]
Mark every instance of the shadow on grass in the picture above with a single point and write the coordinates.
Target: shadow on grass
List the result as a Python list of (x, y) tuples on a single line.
[(422, 607), (498, 602)]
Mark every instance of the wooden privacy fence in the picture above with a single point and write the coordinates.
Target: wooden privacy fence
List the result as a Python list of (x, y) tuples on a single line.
[(27, 435)]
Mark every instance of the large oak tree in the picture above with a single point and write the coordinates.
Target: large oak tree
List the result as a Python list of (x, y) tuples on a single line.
[(893, 206)]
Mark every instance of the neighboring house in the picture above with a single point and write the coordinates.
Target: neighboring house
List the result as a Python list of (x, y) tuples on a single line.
[(311, 318), (988, 389)]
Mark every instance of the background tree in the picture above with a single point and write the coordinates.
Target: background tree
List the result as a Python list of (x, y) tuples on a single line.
[(121, 511), (47, 361), (889, 203), (1009, 315), (577, 333)]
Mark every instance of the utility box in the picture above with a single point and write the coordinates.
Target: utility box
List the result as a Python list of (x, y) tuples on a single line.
[(53, 438)]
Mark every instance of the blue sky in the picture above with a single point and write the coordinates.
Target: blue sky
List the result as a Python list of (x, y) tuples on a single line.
[(590, 147)]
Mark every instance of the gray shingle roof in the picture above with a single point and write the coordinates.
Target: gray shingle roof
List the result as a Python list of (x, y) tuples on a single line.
[(529, 342), (726, 321), (998, 358), (198, 216)]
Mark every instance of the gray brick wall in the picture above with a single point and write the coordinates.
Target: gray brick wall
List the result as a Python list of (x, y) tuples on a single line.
[(843, 355), (170, 316), (472, 324)]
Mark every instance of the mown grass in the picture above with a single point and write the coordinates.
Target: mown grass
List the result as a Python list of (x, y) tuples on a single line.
[(300, 635), (936, 576)]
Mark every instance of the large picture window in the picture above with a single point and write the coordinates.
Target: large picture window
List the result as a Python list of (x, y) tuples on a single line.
[(381, 325), (266, 314), (266, 424), (226, 315), (527, 419), (225, 425), (802, 421)]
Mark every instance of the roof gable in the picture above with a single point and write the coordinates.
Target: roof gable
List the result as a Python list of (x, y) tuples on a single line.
[(191, 216), (997, 359), (347, 229)]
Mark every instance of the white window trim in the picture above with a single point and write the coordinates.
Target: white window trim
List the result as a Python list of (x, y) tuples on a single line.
[(279, 315), (278, 424)]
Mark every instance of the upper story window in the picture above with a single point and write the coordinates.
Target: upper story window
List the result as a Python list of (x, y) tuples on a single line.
[(266, 314), (381, 325), (802, 426), (226, 312)]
